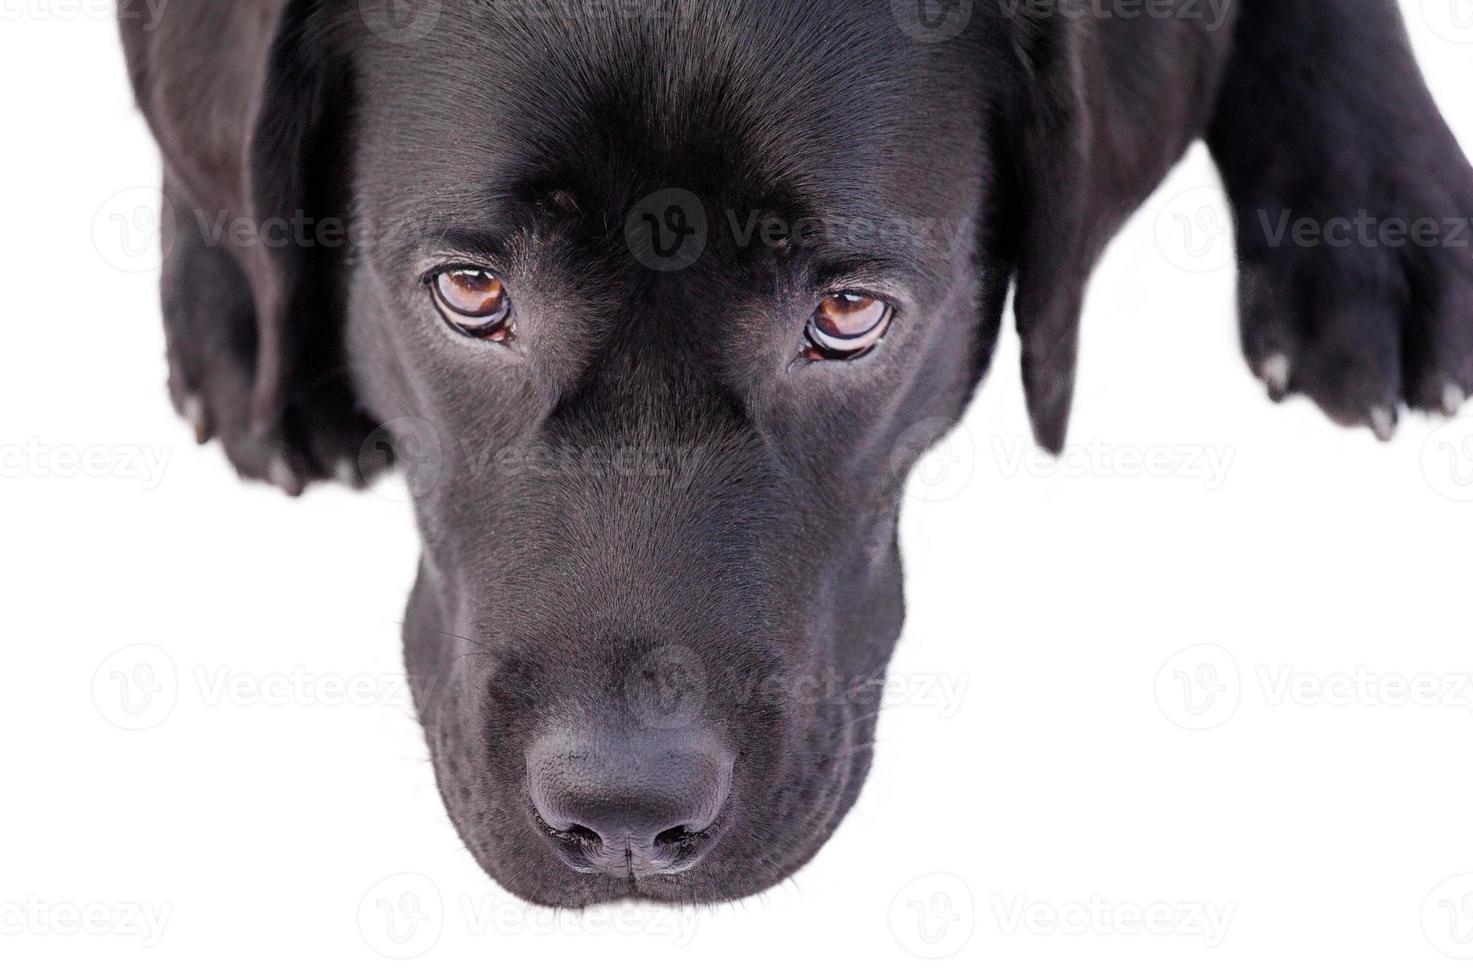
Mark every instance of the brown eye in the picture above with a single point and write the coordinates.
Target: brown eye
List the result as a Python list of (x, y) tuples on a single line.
[(847, 325), (474, 302)]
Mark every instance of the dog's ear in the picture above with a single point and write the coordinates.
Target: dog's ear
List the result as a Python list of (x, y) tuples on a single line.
[(1055, 227), (1050, 265), (296, 196), (1098, 114)]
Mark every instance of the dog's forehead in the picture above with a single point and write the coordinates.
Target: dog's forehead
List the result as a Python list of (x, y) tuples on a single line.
[(828, 102)]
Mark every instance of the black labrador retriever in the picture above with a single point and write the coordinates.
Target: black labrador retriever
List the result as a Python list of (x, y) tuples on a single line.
[(657, 302)]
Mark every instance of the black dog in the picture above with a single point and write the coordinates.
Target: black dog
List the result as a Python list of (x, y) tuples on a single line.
[(663, 299)]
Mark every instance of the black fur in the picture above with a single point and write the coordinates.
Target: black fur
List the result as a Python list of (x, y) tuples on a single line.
[(649, 508)]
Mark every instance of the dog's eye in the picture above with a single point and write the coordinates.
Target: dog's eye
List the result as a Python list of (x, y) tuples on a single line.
[(474, 302), (846, 326)]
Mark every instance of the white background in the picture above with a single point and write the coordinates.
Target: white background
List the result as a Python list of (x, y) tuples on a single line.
[(1015, 827)]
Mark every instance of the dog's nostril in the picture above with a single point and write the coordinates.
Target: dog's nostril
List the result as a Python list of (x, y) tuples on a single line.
[(635, 806), (583, 835), (677, 837)]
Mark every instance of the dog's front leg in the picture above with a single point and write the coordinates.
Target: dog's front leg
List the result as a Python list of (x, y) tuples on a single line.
[(1352, 201)]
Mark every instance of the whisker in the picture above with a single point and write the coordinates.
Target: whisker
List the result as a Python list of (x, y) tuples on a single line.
[(483, 647)]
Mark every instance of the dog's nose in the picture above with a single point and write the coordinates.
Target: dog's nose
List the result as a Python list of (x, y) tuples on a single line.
[(640, 805)]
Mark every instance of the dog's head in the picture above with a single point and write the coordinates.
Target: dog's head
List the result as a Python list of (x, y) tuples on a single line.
[(658, 304)]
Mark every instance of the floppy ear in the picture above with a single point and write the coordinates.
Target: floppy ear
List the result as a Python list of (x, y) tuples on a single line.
[(1051, 254), (1091, 132), (296, 193), (1047, 161), (1101, 110)]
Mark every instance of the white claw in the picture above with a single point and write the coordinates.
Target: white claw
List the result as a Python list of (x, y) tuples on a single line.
[(1276, 373), (1383, 423), (194, 414), (1452, 399), (281, 475), (346, 472)]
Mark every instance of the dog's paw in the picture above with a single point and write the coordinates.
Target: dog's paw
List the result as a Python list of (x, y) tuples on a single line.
[(210, 331), (310, 443), (213, 394), (1365, 307)]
